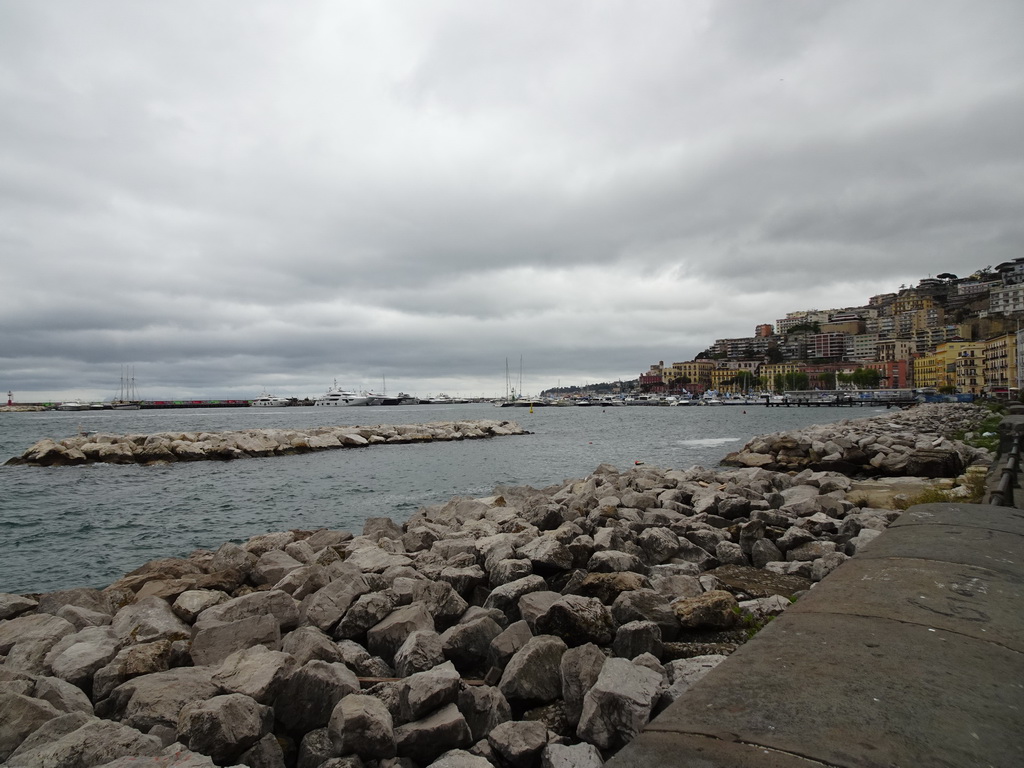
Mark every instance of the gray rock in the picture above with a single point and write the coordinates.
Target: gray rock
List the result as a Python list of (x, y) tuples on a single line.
[(422, 650), (505, 598), (615, 561), (460, 758), (156, 699), (64, 696), (315, 749), (256, 672), (658, 545), (151, 618), (424, 740), (134, 661), (95, 742), (83, 597), (376, 528), (272, 566), (303, 581), (15, 605), (384, 638), (274, 602), (484, 707), (636, 638), (824, 565), (535, 604), (648, 605), (76, 657), (22, 716), (618, 705), (764, 551), (574, 756), (578, 620), (578, 671), (466, 644), (308, 696), (505, 645), (441, 601), (532, 674), (83, 617), (424, 692), (308, 643), (192, 602), (362, 725), (223, 727), (547, 555), (368, 610), (508, 571), (265, 753), (518, 742), (27, 639), (213, 641), (463, 579)]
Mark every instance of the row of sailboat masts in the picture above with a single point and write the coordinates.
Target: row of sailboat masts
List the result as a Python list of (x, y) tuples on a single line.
[(127, 397)]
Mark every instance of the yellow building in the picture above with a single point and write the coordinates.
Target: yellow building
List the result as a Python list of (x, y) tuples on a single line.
[(769, 371), (929, 371), (695, 374), (1001, 363)]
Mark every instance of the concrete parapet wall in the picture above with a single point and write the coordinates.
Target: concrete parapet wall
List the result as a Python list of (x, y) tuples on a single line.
[(911, 653)]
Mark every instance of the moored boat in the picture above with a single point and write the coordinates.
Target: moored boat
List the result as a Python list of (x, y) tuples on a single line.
[(335, 397), (270, 401)]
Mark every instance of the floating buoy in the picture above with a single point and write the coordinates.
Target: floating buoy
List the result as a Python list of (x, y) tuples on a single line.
[(638, 462)]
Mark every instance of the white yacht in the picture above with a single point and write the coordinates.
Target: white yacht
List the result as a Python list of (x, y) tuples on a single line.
[(73, 405), (270, 401), (339, 397)]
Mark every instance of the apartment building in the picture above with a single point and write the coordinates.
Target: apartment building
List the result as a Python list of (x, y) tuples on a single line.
[(1000, 357)]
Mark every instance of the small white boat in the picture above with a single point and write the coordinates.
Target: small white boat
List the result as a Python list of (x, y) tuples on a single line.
[(72, 405), (270, 401), (335, 397)]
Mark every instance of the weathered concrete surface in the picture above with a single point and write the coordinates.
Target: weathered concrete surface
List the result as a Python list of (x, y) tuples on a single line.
[(909, 654)]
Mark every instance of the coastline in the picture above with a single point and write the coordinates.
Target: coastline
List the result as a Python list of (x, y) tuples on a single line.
[(575, 606)]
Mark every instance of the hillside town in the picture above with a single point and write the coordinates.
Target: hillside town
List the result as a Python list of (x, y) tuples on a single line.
[(947, 334)]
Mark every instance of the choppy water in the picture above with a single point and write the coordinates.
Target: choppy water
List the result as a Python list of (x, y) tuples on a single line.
[(63, 527)]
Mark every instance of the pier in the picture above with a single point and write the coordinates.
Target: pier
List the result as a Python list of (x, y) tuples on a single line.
[(841, 402)]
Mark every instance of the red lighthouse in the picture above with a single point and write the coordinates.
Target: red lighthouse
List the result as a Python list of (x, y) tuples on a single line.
[(10, 398)]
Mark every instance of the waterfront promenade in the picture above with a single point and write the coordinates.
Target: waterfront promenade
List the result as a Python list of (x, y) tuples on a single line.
[(910, 654)]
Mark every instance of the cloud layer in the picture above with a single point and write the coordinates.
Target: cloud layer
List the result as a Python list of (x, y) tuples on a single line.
[(243, 196)]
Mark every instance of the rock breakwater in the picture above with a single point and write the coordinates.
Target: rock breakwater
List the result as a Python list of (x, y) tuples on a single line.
[(917, 442), (535, 627), (166, 447)]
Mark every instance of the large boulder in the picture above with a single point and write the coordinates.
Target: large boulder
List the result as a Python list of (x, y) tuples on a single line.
[(156, 699), (619, 704), (426, 691), (578, 620), (22, 716), (308, 696), (532, 674), (214, 641), (385, 637), (223, 727), (82, 743), (256, 672), (362, 725), (424, 740)]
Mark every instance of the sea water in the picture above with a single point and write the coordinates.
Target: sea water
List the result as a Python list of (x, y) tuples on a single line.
[(63, 527)]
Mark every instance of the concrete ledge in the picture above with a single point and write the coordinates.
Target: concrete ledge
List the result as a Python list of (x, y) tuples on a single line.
[(911, 653)]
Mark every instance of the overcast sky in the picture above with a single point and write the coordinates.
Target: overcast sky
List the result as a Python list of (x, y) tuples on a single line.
[(239, 196)]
